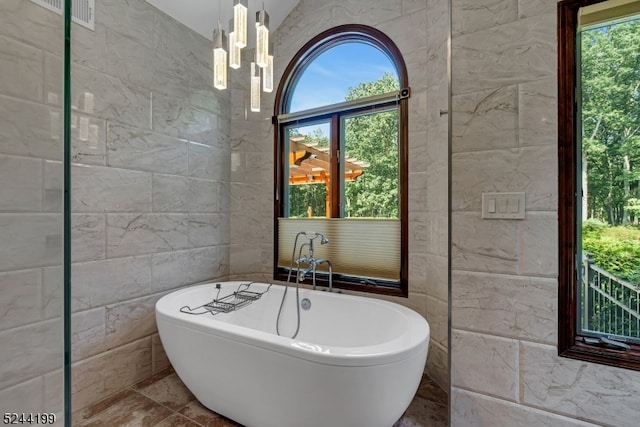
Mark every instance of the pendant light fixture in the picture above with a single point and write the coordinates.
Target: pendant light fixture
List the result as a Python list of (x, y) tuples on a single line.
[(235, 53), (219, 58), (267, 73), (240, 10), (255, 87), (228, 54), (262, 37)]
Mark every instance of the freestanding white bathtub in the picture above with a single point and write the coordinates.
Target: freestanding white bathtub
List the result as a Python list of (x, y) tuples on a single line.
[(356, 361)]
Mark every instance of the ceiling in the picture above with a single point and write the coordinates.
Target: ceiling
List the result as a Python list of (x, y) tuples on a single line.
[(202, 15)]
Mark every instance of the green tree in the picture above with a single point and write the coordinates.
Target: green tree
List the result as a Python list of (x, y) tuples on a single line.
[(373, 138), (611, 119)]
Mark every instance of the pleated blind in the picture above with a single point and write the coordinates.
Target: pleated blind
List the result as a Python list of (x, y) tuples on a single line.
[(367, 248)]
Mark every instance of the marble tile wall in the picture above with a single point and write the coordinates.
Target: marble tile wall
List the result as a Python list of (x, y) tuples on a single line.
[(150, 209), (30, 222), (150, 200), (504, 364), (424, 49)]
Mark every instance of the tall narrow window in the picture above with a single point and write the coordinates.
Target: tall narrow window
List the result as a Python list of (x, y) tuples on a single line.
[(599, 153), (341, 144)]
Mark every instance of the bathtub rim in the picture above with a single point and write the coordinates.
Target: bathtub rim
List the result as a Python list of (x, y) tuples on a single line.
[(414, 339)]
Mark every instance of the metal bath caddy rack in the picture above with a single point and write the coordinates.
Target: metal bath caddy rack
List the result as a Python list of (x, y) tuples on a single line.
[(228, 303)]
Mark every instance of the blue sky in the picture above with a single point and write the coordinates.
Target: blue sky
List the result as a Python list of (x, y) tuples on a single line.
[(328, 78)]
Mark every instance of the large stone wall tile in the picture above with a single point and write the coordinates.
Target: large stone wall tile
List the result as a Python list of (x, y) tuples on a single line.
[(438, 316), (438, 276), (372, 12), (169, 270), (26, 397), (99, 283), (170, 193), (104, 189), (485, 120), (21, 68), (88, 333), (33, 240), (209, 162), (485, 364), (410, 6), (532, 170), (416, 62), (88, 140), (30, 129), (206, 230), (137, 22), (418, 110), (206, 264), (437, 366), (136, 63), (107, 97), (204, 196), (251, 198), (437, 189), (505, 55), (420, 231), (52, 296), (88, 238), (249, 259), (528, 8), (160, 361), (30, 351), (21, 189), (88, 47), (419, 161), (33, 24), (469, 16), (21, 301), (396, 29), (418, 185), (483, 245), (175, 116), (100, 376), (53, 180), (297, 29), (137, 234), (538, 112), (470, 409), (130, 320), (260, 167), (593, 392), (512, 306), (538, 237), (138, 149), (418, 266)]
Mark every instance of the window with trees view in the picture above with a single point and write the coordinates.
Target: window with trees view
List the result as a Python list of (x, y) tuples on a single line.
[(599, 154), (341, 136)]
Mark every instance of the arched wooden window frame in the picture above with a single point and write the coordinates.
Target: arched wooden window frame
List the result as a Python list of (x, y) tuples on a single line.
[(310, 51), (571, 342)]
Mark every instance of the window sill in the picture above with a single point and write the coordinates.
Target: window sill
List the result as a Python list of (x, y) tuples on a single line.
[(351, 285), (628, 359)]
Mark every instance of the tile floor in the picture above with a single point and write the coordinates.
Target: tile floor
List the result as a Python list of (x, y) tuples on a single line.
[(163, 401)]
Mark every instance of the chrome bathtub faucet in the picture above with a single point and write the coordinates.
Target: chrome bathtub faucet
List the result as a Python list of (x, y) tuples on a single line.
[(309, 259)]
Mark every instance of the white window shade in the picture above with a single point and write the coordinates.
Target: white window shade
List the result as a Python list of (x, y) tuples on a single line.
[(367, 248)]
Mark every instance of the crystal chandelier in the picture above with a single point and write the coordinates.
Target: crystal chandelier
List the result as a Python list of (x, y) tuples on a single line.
[(227, 54)]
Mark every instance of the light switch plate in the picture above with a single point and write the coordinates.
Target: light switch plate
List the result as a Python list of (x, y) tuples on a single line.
[(503, 206)]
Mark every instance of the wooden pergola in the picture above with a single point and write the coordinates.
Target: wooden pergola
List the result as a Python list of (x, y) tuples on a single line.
[(310, 164)]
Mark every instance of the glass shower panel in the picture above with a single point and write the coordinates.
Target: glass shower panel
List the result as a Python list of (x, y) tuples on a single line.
[(31, 214)]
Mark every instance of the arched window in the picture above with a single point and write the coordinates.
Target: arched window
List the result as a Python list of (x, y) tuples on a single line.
[(341, 158)]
